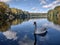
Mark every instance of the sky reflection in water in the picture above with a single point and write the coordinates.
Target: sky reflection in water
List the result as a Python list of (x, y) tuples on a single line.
[(23, 34)]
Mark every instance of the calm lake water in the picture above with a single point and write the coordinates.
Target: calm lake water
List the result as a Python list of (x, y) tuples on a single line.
[(21, 32)]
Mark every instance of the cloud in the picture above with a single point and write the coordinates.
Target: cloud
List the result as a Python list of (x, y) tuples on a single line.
[(5, 0), (42, 1), (26, 41), (52, 5), (10, 35), (34, 8), (52, 25)]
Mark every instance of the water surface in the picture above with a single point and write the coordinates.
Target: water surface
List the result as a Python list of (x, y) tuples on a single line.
[(21, 32)]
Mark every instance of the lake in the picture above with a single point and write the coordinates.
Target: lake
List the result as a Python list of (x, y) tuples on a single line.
[(21, 32)]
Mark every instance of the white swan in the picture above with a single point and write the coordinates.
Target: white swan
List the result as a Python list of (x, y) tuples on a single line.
[(40, 31)]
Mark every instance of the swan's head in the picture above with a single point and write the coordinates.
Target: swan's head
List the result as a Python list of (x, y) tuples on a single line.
[(34, 23)]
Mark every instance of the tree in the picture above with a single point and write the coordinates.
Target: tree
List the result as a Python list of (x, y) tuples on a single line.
[(50, 15), (26, 14), (54, 15), (57, 8), (3, 10), (3, 6)]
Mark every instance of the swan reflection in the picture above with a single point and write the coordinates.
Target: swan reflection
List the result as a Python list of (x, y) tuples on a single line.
[(42, 36)]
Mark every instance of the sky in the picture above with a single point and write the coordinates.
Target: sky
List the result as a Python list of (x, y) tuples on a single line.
[(35, 6)]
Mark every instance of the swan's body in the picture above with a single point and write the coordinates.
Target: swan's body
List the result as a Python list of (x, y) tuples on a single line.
[(41, 30)]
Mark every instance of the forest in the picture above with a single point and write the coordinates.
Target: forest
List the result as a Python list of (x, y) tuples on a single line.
[(7, 13)]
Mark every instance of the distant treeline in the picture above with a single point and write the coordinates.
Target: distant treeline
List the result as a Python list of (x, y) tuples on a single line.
[(38, 15)]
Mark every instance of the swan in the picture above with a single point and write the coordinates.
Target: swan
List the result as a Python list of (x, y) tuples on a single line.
[(40, 31)]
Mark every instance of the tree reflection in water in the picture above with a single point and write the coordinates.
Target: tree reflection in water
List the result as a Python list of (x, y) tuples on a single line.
[(55, 19), (4, 27), (7, 25)]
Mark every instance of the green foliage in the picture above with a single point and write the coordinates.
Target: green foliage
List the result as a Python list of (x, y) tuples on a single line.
[(8, 13), (3, 7), (54, 14), (57, 8)]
